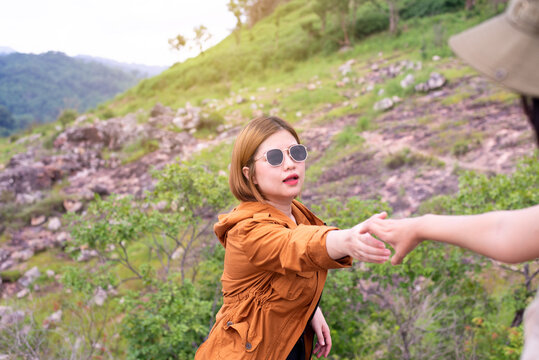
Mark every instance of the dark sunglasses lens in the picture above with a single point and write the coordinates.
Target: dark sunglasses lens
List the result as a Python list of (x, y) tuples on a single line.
[(275, 157), (298, 152)]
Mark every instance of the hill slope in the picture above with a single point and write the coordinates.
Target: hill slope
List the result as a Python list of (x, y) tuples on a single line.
[(35, 88)]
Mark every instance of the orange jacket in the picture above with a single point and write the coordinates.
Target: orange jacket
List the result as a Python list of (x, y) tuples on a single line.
[(273, 277)]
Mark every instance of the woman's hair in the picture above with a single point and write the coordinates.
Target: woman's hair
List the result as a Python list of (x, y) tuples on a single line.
[(531, 108), (245, 147)]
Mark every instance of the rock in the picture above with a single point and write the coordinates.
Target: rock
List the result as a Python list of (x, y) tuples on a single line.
[(383, 105), (422, 87), (53, 320), (100, 190), (72, 205), (22, 255), (87, 135), (435, 81), (4, 310), (436, 58), (347, 67), (86, 255), (407, 81), (23, 293), (50, 273), (54, 224), (311, 87), (159, 110), (10, 317), (61, 238), (29, 277), (240, 99), (99, 297), (381, 92), (38, 220)]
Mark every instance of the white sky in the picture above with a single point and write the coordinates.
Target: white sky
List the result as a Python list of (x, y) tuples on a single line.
[(130, 31)]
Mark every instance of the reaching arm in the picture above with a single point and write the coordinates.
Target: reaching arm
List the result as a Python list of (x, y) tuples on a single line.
[(355, 242), (510, 236)]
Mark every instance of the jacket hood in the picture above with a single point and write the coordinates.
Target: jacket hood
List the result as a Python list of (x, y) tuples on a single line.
[(247, 210)]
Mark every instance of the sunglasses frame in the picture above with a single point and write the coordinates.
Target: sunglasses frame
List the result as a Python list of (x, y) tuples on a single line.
[(265, 155)]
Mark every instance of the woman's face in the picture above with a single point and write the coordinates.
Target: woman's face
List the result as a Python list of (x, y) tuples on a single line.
[(282, 183)]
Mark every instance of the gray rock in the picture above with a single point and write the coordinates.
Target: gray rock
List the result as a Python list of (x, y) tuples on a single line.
[(29, 277), (72, 205), (159, 110), (22, 255), (436, 81), (407, 81), (99, 297), (38, 220), (12, 317), (53, 320), (54, 224), (23, 293), (383, 105)]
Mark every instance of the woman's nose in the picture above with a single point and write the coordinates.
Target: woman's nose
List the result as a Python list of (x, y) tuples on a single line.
[(287, 161)]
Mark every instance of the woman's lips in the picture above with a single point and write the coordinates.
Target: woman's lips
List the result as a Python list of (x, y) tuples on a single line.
[(292, 179)]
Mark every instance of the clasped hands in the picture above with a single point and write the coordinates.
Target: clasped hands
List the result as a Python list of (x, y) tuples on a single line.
[(400, 234)]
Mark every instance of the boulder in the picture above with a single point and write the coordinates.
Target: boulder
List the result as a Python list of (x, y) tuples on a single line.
[(54, 224), (29, 277), (383, 105), (72, 205), (159, 110), (407, 81), (53, 320)]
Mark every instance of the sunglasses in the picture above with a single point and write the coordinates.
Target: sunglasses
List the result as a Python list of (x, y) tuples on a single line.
[(275, 157)]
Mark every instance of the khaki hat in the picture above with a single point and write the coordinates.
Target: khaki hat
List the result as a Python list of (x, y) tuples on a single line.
[(506, 47)]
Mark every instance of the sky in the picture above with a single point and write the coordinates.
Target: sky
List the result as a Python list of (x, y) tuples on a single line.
[(129, 31)]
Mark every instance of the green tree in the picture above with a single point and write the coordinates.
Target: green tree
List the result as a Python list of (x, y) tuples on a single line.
[(177, 42), (201, 36)]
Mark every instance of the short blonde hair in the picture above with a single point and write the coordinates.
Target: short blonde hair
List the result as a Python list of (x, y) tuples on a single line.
[(245, 147)]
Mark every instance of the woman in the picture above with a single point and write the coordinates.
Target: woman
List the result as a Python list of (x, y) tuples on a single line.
[(506, 49), (277, 253)]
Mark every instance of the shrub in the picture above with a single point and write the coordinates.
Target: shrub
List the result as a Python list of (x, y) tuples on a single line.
[(369, 22)]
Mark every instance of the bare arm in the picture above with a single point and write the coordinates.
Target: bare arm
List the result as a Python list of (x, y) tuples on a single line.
[(510, 236), (355, 242)]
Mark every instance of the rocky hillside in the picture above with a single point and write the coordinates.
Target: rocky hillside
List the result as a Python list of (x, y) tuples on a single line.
[(405, 151)]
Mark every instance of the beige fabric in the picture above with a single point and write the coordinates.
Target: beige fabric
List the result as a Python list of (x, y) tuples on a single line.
[(506, 47), (531, 331)]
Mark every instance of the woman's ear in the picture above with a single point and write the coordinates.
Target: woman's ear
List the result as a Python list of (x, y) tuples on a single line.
[(246, 173)]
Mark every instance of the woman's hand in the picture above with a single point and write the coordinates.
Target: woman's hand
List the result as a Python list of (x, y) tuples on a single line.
[(401, 234), (357, 243), (321, 329)]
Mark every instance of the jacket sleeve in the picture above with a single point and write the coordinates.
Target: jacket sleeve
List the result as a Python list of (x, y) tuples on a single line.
[(270, 245)]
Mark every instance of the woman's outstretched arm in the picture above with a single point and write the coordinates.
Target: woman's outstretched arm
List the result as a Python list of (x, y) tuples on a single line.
[(510, 236)]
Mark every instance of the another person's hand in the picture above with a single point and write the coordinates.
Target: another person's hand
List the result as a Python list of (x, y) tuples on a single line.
[(355, 242), (400, 234), (364, 247), (321, 329)]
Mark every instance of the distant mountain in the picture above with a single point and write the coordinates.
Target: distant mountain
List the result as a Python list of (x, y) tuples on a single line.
[(36, 88), (139, 69), (4, 50)]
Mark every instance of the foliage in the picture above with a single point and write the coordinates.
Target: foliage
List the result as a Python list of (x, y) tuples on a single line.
[(422, 8), (67, 116), (170, 319), (40, 86), (413, 311), (167, 323)]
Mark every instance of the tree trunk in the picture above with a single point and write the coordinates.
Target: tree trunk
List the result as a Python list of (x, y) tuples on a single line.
[(393, 16), (346, 41)]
